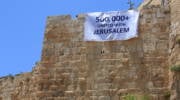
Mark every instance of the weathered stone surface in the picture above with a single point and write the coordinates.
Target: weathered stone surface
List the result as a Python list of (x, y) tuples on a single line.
[(174, 49), (17, 88), (100, 70)]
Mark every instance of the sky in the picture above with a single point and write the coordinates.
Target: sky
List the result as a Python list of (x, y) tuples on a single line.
[(22, 26)]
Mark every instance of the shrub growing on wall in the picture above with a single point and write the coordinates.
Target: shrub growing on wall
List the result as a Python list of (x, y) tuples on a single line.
[(136, 97), (175, 68)]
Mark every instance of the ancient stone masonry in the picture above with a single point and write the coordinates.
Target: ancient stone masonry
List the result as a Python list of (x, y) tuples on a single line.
[(174, 49), (78, 70), (72, 69), (16, 88)]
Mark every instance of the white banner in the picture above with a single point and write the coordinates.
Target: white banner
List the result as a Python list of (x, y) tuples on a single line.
[(109, 26)]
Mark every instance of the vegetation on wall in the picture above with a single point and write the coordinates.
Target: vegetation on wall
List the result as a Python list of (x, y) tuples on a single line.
[(167, 95), (178, 40), (136, 97), (129, 97), (175, 68)]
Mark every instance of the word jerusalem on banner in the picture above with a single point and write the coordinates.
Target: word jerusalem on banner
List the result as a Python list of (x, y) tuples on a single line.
[(110, 26)]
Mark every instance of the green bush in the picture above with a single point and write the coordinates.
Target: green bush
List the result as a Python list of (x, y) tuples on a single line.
[(178, 40), (136, 97), (175, 68), (130, 97), (145, 97), (10, 76), (167, 95)]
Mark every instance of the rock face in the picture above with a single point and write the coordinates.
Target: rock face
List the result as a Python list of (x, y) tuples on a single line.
[(72, 69)]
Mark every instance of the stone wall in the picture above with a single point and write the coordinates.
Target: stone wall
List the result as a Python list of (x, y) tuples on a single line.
[(19, 87), (174, 58), (72, 69), (146, 3)]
